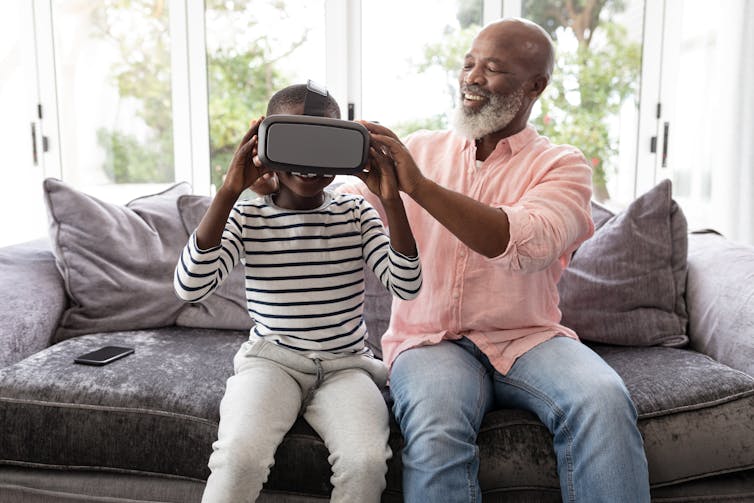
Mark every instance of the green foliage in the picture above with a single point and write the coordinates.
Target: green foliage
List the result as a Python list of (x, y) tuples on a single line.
[(469, 13), (129, 161), (241, 79), (588, 86), (586, 93), (240, 84), (435, 122), (138, 30)]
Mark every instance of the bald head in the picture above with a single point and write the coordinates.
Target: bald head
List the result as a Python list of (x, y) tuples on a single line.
[(527, 41), (507, 68)]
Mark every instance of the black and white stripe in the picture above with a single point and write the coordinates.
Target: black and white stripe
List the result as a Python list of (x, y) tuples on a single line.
[(304, 270)]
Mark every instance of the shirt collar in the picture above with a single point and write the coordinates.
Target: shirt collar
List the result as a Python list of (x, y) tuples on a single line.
[(516, 142)]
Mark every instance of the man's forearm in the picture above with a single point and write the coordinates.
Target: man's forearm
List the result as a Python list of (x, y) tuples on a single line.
[(482, 228)]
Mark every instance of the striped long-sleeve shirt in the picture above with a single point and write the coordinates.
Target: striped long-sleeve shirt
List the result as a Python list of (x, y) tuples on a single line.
[(304, 270)]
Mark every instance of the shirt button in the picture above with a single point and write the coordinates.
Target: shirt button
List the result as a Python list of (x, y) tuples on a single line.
[(462, 253)]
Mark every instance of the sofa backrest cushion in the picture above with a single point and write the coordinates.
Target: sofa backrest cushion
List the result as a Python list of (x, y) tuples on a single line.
[(226, 307), (626, 284), (720, 295), (116, 260)]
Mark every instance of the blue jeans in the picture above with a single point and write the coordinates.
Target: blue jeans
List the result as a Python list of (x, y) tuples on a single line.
[(443, 391)]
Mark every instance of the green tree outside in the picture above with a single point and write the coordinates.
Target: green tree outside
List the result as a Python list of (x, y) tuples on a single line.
[(588, 86), (241, 80)]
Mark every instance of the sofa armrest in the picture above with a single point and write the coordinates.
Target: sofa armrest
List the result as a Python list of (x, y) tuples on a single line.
[(720, 300), (32, 299)]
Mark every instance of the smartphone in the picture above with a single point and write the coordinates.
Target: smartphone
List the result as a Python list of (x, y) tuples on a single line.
[(104, 355)]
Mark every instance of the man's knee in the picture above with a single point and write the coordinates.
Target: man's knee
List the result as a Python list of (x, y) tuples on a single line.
[(605, 397)]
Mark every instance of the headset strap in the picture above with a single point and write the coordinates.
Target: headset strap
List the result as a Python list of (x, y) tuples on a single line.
[(315, 100)]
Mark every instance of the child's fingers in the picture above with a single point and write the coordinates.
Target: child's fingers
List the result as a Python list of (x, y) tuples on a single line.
[(253, 128)]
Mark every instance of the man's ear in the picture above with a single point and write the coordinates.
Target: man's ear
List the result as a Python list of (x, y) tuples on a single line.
[(537, 86)]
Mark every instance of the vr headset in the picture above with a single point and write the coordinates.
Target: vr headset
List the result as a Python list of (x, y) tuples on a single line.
[(311, 143)]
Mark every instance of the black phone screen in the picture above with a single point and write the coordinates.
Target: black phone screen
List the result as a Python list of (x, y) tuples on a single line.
[(104, 355)]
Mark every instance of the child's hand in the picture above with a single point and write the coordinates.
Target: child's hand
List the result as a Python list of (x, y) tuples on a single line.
[(267, 183), (380, 175), (245, 168)]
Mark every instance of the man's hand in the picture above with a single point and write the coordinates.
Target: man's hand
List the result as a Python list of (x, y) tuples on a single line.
[(245, 169), (380, 176), (407, 172)]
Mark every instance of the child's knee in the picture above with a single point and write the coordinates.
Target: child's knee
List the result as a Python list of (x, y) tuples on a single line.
[(237, 456), (366, 460)]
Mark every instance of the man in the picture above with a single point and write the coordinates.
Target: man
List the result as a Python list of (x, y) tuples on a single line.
[(497, 211)]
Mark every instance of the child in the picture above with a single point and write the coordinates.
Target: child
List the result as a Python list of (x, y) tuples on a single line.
[(304, 249)]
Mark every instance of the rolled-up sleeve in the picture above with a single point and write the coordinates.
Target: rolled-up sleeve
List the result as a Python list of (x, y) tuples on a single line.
[(551, 219)]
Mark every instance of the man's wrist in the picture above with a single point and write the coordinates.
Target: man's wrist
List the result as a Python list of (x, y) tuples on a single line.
[(392, 203), (421, 186)]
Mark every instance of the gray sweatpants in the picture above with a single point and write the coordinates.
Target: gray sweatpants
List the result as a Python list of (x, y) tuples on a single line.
[(263, 399)]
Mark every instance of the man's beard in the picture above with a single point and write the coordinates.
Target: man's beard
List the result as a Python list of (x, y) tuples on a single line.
[(494, 115)]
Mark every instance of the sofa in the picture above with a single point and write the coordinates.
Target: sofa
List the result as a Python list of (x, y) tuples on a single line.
[(671, 311)]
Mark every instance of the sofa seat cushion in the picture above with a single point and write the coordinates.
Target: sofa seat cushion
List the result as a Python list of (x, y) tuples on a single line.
[(155, 412), (695, 414)]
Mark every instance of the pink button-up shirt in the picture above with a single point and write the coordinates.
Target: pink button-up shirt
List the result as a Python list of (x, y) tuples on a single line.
[(507, 304)]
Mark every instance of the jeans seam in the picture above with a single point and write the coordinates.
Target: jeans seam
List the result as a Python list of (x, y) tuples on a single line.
[(472, 482), (560, 414)]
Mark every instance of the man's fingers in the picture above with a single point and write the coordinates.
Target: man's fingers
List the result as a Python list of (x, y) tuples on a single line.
[(377, 129)]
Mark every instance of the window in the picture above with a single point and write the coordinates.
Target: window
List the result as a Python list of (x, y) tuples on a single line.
[(411, 62), (253, 49), (113, 84), (21, 210), (592, 101), (138, 94)]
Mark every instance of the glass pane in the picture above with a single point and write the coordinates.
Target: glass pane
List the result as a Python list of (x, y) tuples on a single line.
[(114, 93), (255, 48), (22, 209), (410, 70), (592, 101)]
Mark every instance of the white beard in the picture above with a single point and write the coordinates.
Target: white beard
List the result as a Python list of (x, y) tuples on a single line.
[(497, 113)]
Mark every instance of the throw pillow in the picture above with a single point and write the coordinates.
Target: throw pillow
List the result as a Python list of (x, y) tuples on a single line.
[(116, 261), (626, 284), (226, 307)]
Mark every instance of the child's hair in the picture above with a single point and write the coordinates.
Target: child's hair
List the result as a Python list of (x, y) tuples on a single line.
[(295, 95)]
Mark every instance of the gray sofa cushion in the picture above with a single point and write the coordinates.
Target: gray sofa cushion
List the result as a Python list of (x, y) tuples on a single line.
[(116, 261), (32, 307), (226, 307), (156, 412), (626, 284), (695, 413), (725, 332)]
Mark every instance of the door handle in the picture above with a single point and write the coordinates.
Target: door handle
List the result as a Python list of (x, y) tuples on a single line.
[(34, 144), (665, 134)]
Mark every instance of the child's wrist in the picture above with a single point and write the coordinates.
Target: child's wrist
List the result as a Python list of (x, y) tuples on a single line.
[(226, 192)]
